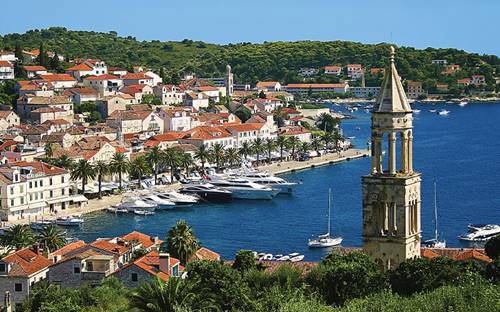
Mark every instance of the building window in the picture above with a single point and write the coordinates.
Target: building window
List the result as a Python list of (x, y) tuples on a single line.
[(41, 182), (62, 179), (50, 181), (12, 191), (18, 287), (76, 269), (63, 191), (51, 194), (2, 267), (12, 202), (22, 200), (134, 277)]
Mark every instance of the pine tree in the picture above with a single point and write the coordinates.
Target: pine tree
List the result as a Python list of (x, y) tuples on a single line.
[(19, 52), (162, 75), (54, 62), (42, 57)]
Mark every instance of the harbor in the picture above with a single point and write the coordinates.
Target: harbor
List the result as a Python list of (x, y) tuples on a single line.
[(284, 224)]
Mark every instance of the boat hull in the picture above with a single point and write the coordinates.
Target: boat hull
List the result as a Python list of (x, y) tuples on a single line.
[(325, 243), (214, 197)]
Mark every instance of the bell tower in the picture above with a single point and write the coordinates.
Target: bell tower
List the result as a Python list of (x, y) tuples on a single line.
[(229, 81), (391, 192)]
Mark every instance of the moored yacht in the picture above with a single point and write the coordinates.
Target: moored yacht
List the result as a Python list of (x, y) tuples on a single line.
[(69, 221), (208, 192), (435, 242), (443, 112), (40, 225), (480, 233), (244, 189), (160, 203), (134, 202), (265, 179), (325, 240), (178, 198)]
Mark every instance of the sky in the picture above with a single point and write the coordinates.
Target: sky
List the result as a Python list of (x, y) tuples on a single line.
[(468, 25)]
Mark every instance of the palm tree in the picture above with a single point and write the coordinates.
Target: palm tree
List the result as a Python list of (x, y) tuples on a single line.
[(49, 150), (51, 238), (337, 138), (120, 165), (258, 147), (171, 159), (217, 152), (246, 149), (293, 143), (17, 237), (102, 169), (304, 148), (83, 171), (182, 243), (203, 155), (154, 156), (161, 296), (139, 167), (64, 162), (232, 156), (269, 146), (316, 144), (327, 138), (327, 122), (281, 142), (186, 162)]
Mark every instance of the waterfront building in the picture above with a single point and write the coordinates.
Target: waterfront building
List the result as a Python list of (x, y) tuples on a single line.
[(303, 134), (208, 136), (391, 197), (32, 188), (305, 88), (249, 132), (364, 92), (415, 89)]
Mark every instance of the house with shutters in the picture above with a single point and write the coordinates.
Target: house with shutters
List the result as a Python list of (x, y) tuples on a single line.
[(33, 71), (59, 81), (169, 94), (8, 119), (104, 84), (38, 109), (6, 70), (35, 87), (119, 102), (138, 79), (135, 121), (208, 136), (89, 67), (21, 271)]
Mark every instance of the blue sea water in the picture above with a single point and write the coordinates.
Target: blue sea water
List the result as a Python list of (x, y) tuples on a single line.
[(460, 151)]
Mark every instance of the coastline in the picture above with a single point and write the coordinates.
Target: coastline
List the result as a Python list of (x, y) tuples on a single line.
[(276, 168), (470, 100)]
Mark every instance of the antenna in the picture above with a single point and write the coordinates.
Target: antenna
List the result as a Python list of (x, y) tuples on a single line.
[(329, 207)]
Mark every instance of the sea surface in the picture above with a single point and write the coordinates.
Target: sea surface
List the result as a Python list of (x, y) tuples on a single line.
[(461, 152)]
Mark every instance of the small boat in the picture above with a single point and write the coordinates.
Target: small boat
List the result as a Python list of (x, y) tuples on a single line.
[(416, 111), (134, 202), (481, 234), (435, 242), (40, 225), (266, 257), (140, 212), (284, 258), (69, 221), (443, 112), (432, 110), (462, 104), (297, 258), (325, 240)]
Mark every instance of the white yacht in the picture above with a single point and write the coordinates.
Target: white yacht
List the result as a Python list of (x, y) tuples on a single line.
[(134, 202), (178, 198), (443, 112), (264, 178), (416, 111), (244, 189), (208, 192), (141, 212), (481, 233), (462, 104), (435, 242), (69, 221), (160, 203), (325, 240), (40, 225)]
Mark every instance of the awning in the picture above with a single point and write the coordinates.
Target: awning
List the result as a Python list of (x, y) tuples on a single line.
[(54, 201), (78, 198), (36, 205)]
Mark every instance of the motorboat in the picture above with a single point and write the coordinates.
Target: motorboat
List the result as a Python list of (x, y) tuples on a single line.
[(160, 203), (141, 212), (244, 189), (435, 242), (40, 225), (178, 198), (274, 182), (432, 110), (266, 257), (296, 258), (116, 209), (416, 111), (481, 234), (69, 221), (135, 202), (325, 240), (284, 258), (443, 112), (208, 192), (462, 104)]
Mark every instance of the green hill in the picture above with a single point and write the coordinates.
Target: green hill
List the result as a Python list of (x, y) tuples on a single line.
[(252, 62)]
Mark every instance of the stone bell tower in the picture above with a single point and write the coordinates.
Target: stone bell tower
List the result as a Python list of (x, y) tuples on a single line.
[(229, 81), (391, 195)]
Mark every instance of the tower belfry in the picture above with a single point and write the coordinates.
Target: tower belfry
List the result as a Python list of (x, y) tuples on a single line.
[(229, 81), (391, 192)]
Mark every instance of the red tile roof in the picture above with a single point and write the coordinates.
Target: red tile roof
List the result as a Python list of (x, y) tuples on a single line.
[(206, 133), (245, 127), (205, 254), (266, 84), (140, 75), (108, 246), (57, 77), (68, 248), (80, 67), (333, 68), (101, 77), (151, 264), (145, 240), (40, 167), (34, 68), (315, 85), (5, 64), (26, 262)]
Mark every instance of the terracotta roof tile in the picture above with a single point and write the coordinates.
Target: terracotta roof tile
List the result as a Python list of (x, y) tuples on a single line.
[(145, 240), (26, 262)]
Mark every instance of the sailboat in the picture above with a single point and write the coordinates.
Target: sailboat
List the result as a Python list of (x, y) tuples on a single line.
[(435, 242), (325, 240)]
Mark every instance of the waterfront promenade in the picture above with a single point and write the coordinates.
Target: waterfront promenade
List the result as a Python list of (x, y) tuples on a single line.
[(276, 168)]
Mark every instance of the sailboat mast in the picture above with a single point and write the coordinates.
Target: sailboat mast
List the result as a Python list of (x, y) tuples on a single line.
[(329, 207), (435, 213)]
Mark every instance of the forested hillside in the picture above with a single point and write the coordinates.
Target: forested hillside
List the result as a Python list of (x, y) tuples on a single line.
[(250, 62)]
